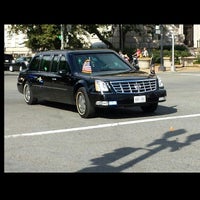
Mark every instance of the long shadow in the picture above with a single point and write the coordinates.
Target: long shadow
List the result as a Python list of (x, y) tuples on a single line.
[(62, 106), (103, 164), (114, 113)]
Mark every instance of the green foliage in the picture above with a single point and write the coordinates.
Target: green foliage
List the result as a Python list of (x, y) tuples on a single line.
[(197, 61), (40, 36), (48, 36)]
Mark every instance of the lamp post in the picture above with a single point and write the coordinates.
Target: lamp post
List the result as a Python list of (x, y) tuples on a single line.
[(68, 27), (62, 36), (172, 65), (121, 46), (161, 67)]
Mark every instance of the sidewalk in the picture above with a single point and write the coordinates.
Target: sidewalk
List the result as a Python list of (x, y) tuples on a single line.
[(178, 68)]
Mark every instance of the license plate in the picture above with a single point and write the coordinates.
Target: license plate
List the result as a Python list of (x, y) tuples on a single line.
[(139, 99)]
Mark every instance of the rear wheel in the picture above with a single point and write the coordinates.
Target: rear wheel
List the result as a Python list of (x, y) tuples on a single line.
[(149, 108), (28, 94), (83, 104)]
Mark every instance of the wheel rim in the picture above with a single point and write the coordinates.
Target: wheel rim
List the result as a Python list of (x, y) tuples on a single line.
[(81, 103), (11, 68), (26, 93)]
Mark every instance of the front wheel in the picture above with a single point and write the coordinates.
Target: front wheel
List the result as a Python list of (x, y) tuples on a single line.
[(11, 69), (28, 94), (149, 108), (83, 104)]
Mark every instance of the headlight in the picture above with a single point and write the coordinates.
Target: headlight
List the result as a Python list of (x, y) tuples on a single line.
[(100, 86), (160, 83)]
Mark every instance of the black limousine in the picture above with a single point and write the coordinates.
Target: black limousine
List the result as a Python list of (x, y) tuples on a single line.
[(89, 79)]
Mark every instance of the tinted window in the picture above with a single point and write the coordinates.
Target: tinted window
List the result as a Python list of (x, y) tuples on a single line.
[(101, 62), (8, 58), (34, 65), (45, 63), (63, 64), (54, 63)]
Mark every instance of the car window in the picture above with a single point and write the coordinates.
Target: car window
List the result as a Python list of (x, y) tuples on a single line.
[(8, 58), (54, 63), (34, 65), (63, 64), (45, 63), (101, 62)]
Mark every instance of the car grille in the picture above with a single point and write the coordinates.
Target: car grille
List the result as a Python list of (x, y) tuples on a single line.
[(136, 86)]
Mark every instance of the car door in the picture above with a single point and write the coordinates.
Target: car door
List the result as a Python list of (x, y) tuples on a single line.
[(62, 81), (44, 77)]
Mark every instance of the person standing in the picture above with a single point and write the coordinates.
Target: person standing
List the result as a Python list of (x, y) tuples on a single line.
[(145, 53), (121, 54)]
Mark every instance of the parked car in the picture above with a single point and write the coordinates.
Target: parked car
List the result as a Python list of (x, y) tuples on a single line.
[(8, 60), (20, 63), (89, 79)]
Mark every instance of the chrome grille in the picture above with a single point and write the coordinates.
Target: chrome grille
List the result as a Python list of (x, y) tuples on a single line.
[(135, 86)]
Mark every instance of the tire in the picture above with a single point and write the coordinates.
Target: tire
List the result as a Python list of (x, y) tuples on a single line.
[(83, 104), (150, 108), (22, 66), (28, 94), (11, 69)]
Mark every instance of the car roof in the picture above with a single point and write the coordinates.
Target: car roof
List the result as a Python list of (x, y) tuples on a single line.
[(76, 51)]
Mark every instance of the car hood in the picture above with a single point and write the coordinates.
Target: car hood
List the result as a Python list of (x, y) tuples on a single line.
[(124, 76)]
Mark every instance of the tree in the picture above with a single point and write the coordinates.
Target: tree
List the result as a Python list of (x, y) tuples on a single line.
[(47, 36), (40, 36)]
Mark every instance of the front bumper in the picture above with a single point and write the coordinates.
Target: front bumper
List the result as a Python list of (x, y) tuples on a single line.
[(127, 99)]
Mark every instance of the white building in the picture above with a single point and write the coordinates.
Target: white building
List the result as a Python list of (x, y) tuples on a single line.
[(188, 34), (14, 43)]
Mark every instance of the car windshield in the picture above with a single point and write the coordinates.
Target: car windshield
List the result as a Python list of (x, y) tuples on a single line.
[(21, 59), (100, 63)]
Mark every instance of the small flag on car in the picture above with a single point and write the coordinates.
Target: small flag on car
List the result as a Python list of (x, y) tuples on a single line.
[(87, 67)]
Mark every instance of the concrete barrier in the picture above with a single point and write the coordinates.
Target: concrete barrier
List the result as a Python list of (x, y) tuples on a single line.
[(144, 62), (187, 61), (167, 61)]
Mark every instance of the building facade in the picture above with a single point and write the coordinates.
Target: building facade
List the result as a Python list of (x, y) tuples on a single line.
[(188, 34), (15, 43)]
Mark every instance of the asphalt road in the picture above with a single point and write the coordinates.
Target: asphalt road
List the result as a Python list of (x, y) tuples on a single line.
[(51, 137)]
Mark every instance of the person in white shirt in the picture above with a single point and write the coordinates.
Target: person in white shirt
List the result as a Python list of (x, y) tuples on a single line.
[(145, 52)]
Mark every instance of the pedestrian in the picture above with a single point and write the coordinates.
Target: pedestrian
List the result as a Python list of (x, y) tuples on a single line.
[(135, 57), (126, 57), (121, 54), (152, 65), (138, 53), (145, 53)]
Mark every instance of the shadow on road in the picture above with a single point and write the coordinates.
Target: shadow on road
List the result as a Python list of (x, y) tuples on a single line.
[(104, 163), (114, 113)]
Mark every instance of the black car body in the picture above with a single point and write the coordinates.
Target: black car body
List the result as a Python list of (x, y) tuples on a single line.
[(89, 79)]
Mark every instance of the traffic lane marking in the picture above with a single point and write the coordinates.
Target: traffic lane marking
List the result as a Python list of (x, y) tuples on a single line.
[(100, 126)]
